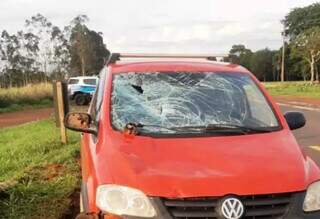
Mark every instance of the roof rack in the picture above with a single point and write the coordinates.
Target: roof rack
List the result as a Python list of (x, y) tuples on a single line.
[(114, 57)]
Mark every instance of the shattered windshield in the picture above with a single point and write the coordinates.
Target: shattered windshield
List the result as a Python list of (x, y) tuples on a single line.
[(181, 99)]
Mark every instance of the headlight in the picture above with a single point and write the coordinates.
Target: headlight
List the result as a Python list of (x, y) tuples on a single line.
[(312, 199), (120, 200)]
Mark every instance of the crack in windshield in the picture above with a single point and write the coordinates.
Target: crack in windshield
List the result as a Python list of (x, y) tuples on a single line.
[(182, 99)]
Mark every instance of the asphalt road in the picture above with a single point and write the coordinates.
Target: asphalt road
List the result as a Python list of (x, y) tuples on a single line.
[(309, 136)]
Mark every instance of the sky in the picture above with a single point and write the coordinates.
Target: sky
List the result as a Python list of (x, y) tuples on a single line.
[(173, 26)]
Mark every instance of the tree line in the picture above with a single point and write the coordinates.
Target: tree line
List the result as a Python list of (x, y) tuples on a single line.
[(43, 51), (301, 49)]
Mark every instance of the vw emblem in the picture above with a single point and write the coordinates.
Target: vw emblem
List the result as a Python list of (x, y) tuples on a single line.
[(232, 208)]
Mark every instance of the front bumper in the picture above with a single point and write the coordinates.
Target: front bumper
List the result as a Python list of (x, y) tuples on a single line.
[(295, 210)]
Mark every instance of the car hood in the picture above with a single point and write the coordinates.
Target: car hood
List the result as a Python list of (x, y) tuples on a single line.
[(207, 166)]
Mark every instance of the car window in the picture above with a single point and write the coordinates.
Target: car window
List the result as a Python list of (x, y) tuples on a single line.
[(179, 99), (98, 96), (73, 81), (90, 81), (258, 109)]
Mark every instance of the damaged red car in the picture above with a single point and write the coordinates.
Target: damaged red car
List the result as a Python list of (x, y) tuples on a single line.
[(181, 137)]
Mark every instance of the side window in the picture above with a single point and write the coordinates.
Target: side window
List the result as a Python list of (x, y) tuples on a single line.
[(95, 108), (73, 81), (259, 106), (90, 81)]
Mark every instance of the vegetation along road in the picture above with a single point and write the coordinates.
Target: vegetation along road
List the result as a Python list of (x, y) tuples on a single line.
[(39, 177)]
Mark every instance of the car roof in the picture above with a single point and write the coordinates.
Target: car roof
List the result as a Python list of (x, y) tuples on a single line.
[(84, 77), (175, 65)]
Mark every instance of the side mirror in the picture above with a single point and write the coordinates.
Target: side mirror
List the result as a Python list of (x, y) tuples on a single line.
[(81, 122), (295, 120)]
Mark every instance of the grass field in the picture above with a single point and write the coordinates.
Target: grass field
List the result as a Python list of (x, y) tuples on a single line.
[(294, 89), (38, 175), (33, 96)]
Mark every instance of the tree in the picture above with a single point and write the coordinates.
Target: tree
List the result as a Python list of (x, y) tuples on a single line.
[(262, 64), (40, 26), (80, 48), (276, 65), (297, 68), (4, 62), (302, 19), (297, 22), (307, 45), (239, 54), (10, 55), (42, 51), (28, 50), (87, 49), (61, 58)]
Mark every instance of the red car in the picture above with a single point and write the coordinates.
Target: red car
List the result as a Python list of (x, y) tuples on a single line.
[(187, 137)]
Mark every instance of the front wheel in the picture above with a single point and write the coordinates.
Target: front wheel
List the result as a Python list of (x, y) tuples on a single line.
[(80, 99), (88, 99)]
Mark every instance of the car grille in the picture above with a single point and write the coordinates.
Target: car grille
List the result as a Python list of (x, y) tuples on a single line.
[(256, 206)]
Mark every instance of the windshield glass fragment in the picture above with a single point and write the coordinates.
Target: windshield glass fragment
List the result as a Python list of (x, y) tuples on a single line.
[(161, 100)]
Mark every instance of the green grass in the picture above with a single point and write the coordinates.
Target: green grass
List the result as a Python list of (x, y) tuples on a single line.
[(29, 97), (294, 89), (37, 173)]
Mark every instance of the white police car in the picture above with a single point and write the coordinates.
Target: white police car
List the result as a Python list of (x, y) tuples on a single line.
[(80, 89)]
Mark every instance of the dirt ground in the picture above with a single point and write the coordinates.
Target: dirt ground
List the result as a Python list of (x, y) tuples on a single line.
[(17, 118), (25, 116)]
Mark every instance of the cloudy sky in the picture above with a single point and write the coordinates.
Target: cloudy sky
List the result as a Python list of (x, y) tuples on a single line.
[(190, 26)]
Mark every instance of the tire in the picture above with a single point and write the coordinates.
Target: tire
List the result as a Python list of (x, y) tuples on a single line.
[(88, 99), (80, 99)]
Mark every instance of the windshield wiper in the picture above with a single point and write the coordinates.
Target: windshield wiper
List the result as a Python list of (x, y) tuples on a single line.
[(210, 128), (225, 128)]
